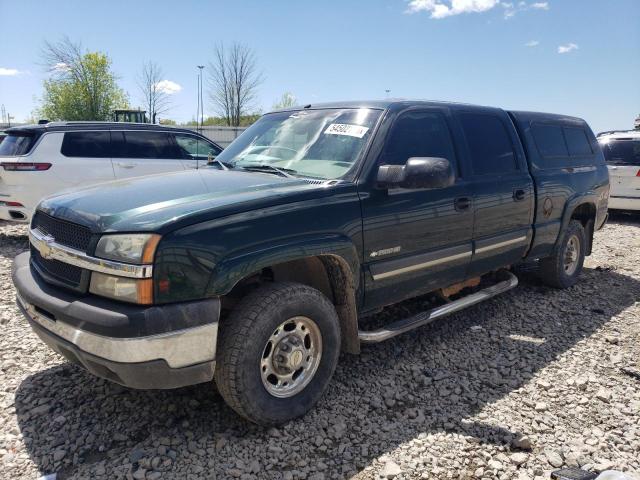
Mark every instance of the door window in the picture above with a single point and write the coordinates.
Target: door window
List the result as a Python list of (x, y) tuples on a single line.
[(152, 145), (195, 148), (86, 144), (418, 134), (489, 143)]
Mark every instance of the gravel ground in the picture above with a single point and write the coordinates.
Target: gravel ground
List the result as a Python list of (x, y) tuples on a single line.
[(518, 386)]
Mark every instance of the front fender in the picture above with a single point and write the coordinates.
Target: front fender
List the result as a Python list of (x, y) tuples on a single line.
[(229, 271)]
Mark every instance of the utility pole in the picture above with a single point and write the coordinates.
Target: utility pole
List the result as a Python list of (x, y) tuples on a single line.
[(4, 114), (387, 91), (200, 100)]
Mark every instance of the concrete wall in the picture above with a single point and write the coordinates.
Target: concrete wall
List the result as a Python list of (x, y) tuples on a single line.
[(223, 136)]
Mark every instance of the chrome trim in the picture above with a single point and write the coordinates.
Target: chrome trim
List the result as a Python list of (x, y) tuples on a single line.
[(423, 318), (501, 244), (420, 266), (179, 349), (50, 249)]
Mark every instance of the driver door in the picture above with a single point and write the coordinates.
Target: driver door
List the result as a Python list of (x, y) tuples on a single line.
[(416, 240)]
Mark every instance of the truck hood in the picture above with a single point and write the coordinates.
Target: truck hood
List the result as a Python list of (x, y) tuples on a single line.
[(159, 203)]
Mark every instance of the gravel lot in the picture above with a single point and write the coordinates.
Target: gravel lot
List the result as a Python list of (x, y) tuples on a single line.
[(513, 388)]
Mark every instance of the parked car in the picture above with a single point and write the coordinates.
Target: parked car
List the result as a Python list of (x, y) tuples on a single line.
[(39, 160), (622, 153), (260, 275)]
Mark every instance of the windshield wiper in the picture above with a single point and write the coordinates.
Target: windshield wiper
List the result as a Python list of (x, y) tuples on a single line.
[(258, 167)]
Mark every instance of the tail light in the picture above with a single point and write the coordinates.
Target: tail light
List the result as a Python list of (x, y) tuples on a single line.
[(638, 174), (25, 166), (11, 204)]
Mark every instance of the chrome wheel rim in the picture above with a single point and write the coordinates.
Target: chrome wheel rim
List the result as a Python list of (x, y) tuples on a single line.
[(291, 357), (572, 255)]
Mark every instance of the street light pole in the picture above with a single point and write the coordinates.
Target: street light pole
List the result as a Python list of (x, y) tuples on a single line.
[(200, 100)]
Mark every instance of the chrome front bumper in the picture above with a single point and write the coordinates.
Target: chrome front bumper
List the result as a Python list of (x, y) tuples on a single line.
[(178, 349)]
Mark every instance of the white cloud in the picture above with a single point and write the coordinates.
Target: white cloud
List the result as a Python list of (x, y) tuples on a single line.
[(447, 8), (569, 47), (532, 43), (540, 5), (60, 68), (9, 72), (510, 9), (168, 87)]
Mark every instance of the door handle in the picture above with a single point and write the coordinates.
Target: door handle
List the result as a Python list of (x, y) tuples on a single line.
[(518, 194), (462, 203), (126, 165)]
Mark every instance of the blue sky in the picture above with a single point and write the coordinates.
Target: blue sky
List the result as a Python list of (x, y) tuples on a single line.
[(577, 57)]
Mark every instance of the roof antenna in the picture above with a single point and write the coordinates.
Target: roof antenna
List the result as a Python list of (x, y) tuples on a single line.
[(307, 106)]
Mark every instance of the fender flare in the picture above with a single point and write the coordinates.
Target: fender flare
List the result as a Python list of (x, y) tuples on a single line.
[(340, 259), (589, 198)]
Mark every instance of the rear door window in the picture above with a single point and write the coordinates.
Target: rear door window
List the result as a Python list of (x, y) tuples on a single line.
[(622, 152), (151, 145), (86, 144), (17, 144), (489, 143), (577, 142), (550, 140)]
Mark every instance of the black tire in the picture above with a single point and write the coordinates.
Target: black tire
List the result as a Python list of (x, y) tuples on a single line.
[(553, 270), (241, 349)]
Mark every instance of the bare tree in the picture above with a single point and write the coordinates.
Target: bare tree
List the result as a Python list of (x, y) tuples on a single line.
[(154, 95), (81, 83), (233, 81), (287, 100)]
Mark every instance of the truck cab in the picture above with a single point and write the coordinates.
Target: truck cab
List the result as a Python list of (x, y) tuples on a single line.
[(258, 273)]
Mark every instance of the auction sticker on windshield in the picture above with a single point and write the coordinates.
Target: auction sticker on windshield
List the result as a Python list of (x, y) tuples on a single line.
[(346, 129)]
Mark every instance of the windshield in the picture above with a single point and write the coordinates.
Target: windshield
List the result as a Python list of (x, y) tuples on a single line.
[(16, 144), (323, 144), (622, 152)]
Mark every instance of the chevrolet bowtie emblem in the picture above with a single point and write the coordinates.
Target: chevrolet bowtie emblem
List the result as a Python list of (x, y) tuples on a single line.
[(45, 246)]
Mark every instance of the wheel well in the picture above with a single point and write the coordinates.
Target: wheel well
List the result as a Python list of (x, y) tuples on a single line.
[(585, 213), (329, 274)]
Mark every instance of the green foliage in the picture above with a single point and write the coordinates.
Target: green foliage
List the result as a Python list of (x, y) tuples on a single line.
[(85, 91), (167, 121), (245, 121)]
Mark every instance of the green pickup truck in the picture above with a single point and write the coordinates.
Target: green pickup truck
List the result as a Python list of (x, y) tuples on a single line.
[(258, 270)]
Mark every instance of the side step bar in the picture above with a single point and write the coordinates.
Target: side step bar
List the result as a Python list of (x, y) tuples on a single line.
[(423, 318)]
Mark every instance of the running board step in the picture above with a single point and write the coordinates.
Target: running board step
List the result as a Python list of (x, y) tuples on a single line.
[(423, 318)]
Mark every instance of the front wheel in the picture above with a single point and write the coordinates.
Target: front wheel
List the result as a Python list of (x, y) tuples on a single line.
[(562, 269), (277, 352)]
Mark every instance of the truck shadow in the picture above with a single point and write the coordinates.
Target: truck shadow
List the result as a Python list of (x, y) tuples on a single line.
[(438, 378), (624, 218)]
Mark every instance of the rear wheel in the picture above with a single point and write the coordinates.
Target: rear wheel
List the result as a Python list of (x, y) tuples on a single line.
[(563, 268), (277, 352)]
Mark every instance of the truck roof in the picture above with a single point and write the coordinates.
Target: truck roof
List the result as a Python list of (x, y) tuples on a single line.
[(401, 102)]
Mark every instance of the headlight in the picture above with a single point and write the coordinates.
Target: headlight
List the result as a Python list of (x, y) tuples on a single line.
[(122, 288), (128, 248)]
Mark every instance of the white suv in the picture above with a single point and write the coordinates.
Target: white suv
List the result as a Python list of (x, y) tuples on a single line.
[(39, 160), (622, 152)]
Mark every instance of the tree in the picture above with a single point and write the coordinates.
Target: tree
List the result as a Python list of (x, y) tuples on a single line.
[(233, 81), (155, 97), (287, 100), (81, 86)]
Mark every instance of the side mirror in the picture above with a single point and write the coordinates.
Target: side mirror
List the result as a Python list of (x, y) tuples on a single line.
[(418, 172)]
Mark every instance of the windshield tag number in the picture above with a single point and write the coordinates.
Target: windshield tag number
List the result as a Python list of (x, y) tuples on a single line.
[(357, 131)]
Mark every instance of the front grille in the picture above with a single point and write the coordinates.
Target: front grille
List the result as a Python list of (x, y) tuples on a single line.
[(65, 233), (69, 275)]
